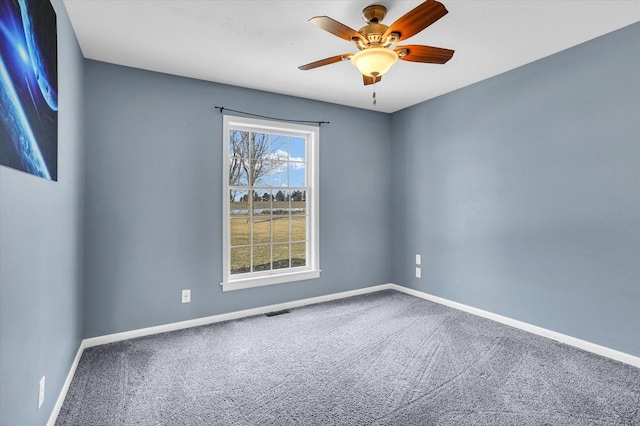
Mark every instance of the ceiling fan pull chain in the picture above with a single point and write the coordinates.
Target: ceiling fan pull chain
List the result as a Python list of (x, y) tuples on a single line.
[(374, 91)]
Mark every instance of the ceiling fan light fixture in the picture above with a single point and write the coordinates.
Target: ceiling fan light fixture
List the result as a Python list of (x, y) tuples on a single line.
[(374, 61)]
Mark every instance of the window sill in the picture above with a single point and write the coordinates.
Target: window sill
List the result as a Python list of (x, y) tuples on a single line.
[(239, 284)]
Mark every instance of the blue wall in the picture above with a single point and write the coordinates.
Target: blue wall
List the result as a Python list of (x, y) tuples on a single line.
[(41, 258), (522, 193), (154, 198)]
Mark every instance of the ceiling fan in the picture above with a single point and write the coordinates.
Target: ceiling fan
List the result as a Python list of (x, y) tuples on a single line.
[(374, 40)]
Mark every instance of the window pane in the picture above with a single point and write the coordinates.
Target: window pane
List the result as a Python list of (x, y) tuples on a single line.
[(279, 147), (279, 173), (298, 254), (280, 227), (261, 205), (261, 230), (259, 173), (280, 256), (298, 205), (297, 175), (298, 228), (269, 204), (238, 172), (238, 144), (240, 232), (280, 203), (240, 260), (239, 205), (259, 146), (261, 258), (297, 149)]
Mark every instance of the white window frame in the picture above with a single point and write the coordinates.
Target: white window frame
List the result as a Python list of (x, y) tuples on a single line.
[(261, 278)]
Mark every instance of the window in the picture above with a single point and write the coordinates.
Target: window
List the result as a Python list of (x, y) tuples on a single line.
[(270, 203)]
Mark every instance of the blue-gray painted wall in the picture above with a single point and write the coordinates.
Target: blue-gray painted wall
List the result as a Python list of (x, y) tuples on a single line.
[(41, 246), (154, 198), (522, 193)]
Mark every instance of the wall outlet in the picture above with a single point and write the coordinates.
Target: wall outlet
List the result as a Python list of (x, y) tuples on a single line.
[(418, 273), (186, 296), (418, 259), (41, 392)]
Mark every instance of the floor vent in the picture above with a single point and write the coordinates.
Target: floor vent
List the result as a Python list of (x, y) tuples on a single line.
[(274, 313)]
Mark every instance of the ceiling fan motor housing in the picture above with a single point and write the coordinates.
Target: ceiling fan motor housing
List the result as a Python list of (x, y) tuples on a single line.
[(374, 13), (373, 33)]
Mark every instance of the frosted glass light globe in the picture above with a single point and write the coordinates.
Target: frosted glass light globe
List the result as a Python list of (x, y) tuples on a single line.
[(374, 61)]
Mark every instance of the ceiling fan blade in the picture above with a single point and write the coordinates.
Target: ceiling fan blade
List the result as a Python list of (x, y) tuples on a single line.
[(336, 28), (417, 19), (369, 80), (326, 61), (428, 54)]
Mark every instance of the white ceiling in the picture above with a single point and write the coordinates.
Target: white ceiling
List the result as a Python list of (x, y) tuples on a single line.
[(259, 44)]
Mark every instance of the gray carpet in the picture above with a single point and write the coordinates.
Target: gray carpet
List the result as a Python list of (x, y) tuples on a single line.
[(384, 358)]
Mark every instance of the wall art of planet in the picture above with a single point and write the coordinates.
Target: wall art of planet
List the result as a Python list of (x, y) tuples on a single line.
[(29, 87)]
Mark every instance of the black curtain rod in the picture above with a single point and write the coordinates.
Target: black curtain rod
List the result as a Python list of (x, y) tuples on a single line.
[(319, 123)]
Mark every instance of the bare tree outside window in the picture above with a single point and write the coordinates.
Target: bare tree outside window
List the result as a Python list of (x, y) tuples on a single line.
[(253, 156)]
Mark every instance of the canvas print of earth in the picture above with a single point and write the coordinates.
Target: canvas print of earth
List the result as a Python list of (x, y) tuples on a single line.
[(29, 87)]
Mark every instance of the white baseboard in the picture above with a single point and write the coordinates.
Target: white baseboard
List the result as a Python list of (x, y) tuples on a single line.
[(559, 337), (116, 337), (65, 387)]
